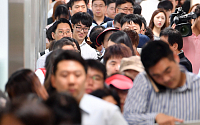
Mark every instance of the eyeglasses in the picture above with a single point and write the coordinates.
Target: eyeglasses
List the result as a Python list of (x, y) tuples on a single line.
[(126, 10), (61, 32), (96, 78), (80, 29)]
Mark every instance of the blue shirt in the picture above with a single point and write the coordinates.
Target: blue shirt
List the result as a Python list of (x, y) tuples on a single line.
[(106, 19), (143, 103)]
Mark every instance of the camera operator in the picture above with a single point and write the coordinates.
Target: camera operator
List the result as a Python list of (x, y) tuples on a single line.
[(191, 44)]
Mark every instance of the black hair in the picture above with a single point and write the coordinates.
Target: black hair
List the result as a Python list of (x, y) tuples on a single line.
[(95, 64), (62, 42), (65, 109), (143, 20), (149, 33), (118, 17), (197, 11), (69, 55), (61, 20), (61, 10), (122, 38), (98, 27), (166, 5), (73, 41), (48, 33), (137, 9), (174, 36), (119, 2), (108, 2), (131, 17), (101, 93), (93, 35), (71, 2), (102, 0), (82, 17), (153, 52)]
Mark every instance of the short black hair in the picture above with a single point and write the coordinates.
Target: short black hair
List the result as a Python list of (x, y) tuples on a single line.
[(82, 17), (108, 2), (153, 52), (48, 33), (119, 2), (95, 64), (62, 42), (118, 17), (174, 36), (102, 0), (73, 41), (61, 20), (131, 17), (143, 20), (137, 9), (93, 36), (61, 10), (69, 55), (71, 2), (166, 5), (197, 10)]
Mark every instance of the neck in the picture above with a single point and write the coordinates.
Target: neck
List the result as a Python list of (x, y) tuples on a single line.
[(98, 20), (177, 52), (156, 31), (195, 28)]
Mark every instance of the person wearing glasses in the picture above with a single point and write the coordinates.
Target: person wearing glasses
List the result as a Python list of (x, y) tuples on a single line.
[(124, 6), (81, 23), (99, 10)]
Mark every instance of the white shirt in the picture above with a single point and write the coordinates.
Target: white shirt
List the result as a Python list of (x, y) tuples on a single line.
[(41, 61), (96, 111), (87, 52), (40, 75), (148, 7)]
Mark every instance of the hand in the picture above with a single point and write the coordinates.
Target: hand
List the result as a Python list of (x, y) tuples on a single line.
[(163, 119), (173, 26)]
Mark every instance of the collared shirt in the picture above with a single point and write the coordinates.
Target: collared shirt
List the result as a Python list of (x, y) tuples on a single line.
[(96, 111), (143, 103), (41, 60), (87, 52), (191, 48), (104, 21)]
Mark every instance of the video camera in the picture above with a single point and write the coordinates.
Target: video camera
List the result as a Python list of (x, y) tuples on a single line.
[(182, 21)]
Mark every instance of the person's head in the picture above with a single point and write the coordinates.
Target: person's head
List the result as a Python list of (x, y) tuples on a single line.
[(122, 39), (93, 35), (197, 20), (54, 9), (64, 44), (109, 95), (149, 33), (65, 109), (172, 37), (131, 21), (144, 24), (158, 19), (61, 28), (98, 8), (167, 6), (161, 64), (192, 9), (81, 23), (77, 6), (48, 34), (124, 6), (113, 56), (117, 20), (96, 75), (69, 74), (102, 38), (61, 12), (137, 9), (24, 81), (110, 11)]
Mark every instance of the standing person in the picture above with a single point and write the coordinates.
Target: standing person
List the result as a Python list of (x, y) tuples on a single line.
[(110, 9), (99, 10), (77, 6), (165, 93), (69, 74), (124, 6), (158, 22), (81, 23)]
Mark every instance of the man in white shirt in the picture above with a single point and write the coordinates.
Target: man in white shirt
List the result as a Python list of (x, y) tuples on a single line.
[(69, 74), (81, 23)]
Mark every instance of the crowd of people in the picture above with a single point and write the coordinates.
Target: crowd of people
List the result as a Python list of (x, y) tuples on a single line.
[(110, 62)]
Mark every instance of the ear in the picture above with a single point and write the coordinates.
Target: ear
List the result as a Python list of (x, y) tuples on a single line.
[(72, 26), (53, 83), (70, 11), (176, 57), (116, 10), (53, 35), (175, 46)]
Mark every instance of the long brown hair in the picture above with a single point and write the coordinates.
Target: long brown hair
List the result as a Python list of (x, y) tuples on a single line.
[(54, 8), (151, 24)]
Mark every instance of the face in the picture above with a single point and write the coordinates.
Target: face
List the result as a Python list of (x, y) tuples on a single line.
[(98, 8), (94, 80), (110, 99), (63, 30), (112, 65), (117, 25), (122, 95), (159, 20), (126, 8), (70, 76), (80, 32), (167, 73), (111, 10), (131, 26), (105, 40), (79, 6)]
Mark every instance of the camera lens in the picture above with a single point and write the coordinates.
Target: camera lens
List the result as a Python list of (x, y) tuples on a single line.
[(184, 30)]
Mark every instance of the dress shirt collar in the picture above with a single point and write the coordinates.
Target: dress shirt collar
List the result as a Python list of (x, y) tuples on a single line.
[(83, 43)]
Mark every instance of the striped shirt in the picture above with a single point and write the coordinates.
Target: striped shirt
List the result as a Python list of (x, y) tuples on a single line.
[(143, 103)]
